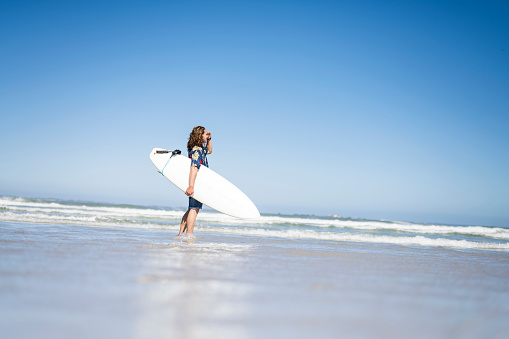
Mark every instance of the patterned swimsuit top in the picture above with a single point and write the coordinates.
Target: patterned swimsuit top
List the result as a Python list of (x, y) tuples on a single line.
[(198, 156)]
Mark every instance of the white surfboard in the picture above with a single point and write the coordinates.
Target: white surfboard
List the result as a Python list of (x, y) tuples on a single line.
[(210, 188)]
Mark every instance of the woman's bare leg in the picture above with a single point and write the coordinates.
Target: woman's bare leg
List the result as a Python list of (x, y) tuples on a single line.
[(183, 223), (191, 218)]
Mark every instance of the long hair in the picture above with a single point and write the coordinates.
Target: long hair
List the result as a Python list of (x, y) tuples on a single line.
[(195, 138)]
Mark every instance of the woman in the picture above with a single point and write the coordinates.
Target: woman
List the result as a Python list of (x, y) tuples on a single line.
[(198, 146)]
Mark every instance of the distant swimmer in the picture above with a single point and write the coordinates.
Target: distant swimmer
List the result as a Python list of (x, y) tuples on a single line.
[(198, 147)]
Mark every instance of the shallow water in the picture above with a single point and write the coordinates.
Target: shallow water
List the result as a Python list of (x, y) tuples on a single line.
[(62, 281), (101, 272)]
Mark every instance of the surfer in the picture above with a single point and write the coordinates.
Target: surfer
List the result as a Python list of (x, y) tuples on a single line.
[(198, 147)]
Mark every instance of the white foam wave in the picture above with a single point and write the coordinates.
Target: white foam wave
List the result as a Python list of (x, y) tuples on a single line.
[(24, 210), (19, 204), (259, 232), (41, 218), (369, 238), (120, 214)]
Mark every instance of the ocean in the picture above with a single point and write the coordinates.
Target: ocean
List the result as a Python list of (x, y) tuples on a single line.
[(93, 270)]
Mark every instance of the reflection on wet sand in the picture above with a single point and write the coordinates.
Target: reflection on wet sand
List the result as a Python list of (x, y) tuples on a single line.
[(191, 291)]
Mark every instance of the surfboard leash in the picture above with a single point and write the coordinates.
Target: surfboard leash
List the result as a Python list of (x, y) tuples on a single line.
[(175, 152)]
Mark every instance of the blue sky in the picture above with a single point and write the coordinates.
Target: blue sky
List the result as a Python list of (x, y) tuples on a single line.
[(370, 109)]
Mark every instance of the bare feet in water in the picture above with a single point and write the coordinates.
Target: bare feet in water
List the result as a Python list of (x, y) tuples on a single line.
[(186, 237)]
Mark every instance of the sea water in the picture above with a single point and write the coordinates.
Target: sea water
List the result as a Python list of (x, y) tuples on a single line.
[(92, 270)]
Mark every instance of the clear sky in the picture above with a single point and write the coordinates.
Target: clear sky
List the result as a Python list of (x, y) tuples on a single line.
[(378, 109)]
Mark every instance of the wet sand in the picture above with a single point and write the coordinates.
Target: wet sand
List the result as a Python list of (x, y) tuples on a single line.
[(61, 281)]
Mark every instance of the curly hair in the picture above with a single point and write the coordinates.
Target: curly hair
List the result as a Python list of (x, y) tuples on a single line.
[(195, 138)]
